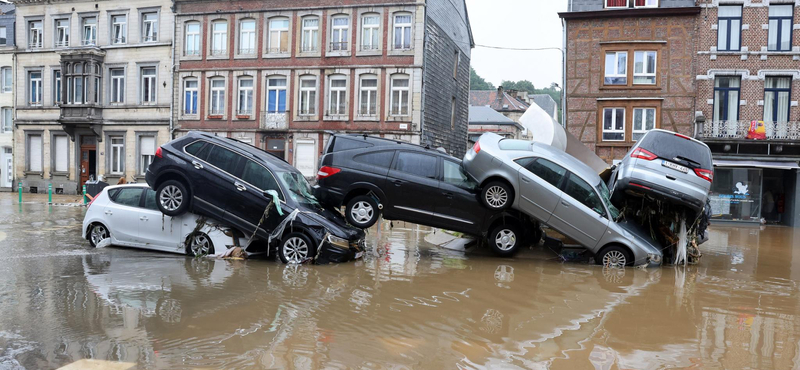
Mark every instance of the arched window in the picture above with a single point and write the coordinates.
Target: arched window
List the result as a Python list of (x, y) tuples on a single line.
[(245, 96), (217, 97), (278, 35), (401, 91), (219, 37), (308, 95), (190, 96), (370, 31), (368, 95), (276, 94), (192, 38), (247, 36), (340, 31), (337, 95), (310, 36), (402, 31)]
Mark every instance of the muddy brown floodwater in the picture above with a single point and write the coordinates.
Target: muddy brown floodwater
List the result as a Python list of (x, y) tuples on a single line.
[(407, 305)]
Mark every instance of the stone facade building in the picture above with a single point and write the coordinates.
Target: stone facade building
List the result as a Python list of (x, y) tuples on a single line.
[(629, 68), (93, 86), (6, 97), (281, 77)]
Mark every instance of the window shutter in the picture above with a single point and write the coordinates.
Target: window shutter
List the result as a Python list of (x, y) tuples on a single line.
[(148, 145), (35, 151), (62, 154)]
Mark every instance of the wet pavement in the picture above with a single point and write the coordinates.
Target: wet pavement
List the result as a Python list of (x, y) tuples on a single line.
[(407, 305)]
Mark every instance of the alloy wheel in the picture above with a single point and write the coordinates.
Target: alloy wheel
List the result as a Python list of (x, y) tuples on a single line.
[(200, 245), (505, 240), (295, 250), (496, 196), (98, 234), (171, 197), (615, 259), (362, 212)]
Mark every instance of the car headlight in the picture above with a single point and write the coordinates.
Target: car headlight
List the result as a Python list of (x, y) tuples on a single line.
[(652, 257), (339, 242)]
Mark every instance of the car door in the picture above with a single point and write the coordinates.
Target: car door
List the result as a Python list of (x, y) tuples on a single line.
[(580, 213), (456, 205), (539, 182), (122, 215), (412, 186), (214, 180), (248, 204), (157, 230)]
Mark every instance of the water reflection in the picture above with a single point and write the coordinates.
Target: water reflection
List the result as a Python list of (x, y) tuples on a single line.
[(406, 305)]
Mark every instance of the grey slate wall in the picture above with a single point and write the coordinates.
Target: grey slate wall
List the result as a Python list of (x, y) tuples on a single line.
[(589, 5), (7, 21), (451, 16), (439, 89)]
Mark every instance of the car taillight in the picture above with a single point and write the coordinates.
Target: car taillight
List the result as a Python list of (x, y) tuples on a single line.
[(705, 174), (476, 147), (158, 153), (683, 136), (327, 171), (643, 154)]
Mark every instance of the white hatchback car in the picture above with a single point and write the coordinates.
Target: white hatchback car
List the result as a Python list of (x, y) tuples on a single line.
[(128, 214)]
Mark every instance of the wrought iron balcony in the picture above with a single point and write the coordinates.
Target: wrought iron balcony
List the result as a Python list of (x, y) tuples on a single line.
[(741, 130), (274, 121)]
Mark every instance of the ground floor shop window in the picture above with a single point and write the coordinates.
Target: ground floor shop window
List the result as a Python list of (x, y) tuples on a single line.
[(736, 194)]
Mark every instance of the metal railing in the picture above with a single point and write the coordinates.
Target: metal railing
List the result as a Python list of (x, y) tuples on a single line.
[(150, 38), (216, 112), (35, 44), (119, 40), (88, 42), (369, 47), (278, 50), (62, 43), (192, 52), (339, 46), (219, 51), (309, 48), (274, 121), (244, 112), (247, 51), (742, 130)]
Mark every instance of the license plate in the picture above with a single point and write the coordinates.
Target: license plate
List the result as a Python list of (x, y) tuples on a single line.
[(359, 255), (675, 166)]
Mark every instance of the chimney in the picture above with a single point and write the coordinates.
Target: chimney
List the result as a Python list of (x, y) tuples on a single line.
[(513, 93), (499, 98)]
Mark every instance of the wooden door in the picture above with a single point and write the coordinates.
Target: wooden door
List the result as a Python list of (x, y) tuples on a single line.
[(86, 152)]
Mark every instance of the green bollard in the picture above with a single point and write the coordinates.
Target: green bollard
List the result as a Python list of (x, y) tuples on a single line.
[(19, 190), (84, 195), (50, 193)]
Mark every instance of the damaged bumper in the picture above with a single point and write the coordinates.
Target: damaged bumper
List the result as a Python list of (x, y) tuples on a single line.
[(336, 250)]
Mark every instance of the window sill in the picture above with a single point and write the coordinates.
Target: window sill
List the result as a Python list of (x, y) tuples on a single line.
[(342, 117), (633, 87), (315, 54), (189, 116), (33, 173), (338, 53), (191, 57), (365, 53), (60, 173), (401, 52), (367, 119), (244, 117), (245, 56), (276, 55), (216, 117), (398, 119), (217, 57), (306, 118)]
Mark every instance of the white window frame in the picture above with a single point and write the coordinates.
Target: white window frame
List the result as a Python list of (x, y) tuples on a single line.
[(645, 66), (340, 34), (369, 31), (401, 90), (613, 119), (616, 73), (244, 96), (192, 39), (191, 105), (309, 40), (35, 84), (642, 125), (7, 125), (35, 34), (372, 96), (339, 94), (402, 27), (117, 155), (647, 4), (29, 164), (250, 36), (310, 106), (149, 34), (147, 81), (3, 35), (605, 3), (117, 86), (217, 96), (7, 79), (145, 160), (61, 38), (277, 90), (219, 38), (121, 26), (57, 154), (58, 89), (91, 28), (281, 49)]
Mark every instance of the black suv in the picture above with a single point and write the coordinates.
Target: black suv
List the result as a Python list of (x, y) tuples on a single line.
[(234, 182), (371, 175)]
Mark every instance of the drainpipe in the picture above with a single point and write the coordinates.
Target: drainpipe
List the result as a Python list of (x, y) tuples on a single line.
[(564, 71), (422, 78), (172, 71)]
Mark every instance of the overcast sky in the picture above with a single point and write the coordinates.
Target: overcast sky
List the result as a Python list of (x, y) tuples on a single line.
[(517, 24)]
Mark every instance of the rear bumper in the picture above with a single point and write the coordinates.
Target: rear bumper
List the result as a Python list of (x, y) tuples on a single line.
[(150, 178), (660, 192), (328, 196)]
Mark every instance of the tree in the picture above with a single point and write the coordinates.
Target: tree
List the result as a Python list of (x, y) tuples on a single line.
[(523, 85), (477, 82)]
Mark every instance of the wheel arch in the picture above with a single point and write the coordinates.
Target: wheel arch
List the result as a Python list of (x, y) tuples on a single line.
[(173, 175), (501, 178), (628, 249), (362, 188)]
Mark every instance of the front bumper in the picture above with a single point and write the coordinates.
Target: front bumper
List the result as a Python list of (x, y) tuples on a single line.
[(330, 253)]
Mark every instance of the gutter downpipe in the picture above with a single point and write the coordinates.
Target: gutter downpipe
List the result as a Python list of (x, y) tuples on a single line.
[(422, 78), (564, 73), (172, 71)]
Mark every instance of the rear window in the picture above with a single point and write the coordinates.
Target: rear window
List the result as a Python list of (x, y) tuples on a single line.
[(128, 196), (507, 144), (380, 159), (668, 146), (421, 165), (342, 143)]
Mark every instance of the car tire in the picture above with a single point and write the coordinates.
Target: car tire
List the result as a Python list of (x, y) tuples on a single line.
[(98, 232), (497, 196), (296, 248), (505, 240), (614, 256), (199, 245), (362, 211), (172, 198)]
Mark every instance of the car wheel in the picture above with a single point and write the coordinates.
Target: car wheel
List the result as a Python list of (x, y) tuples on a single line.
[(614, 256), (505, 240), (362, 211), (173, 198), (496, 195), (199, 245), (97, 233), (296, 248)]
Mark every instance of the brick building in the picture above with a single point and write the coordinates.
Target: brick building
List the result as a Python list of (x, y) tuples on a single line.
[(629, 68), (748, 75), (281, 77), (92, 90), (6, 97)]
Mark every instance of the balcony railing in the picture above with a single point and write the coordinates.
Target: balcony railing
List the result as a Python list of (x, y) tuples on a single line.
[(740, 130), (339, 46), (89, 42), (278, 50), (219, 51), (247, 51), (62, 43), (274, 121)]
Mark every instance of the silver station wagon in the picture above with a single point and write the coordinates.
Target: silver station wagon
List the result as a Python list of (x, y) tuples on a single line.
[(560, 191)]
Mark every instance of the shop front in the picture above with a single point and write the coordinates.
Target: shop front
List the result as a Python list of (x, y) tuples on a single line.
[(753, 194)]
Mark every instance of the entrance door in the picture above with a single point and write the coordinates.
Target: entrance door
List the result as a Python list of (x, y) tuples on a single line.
[(6, 168), (88, 159)]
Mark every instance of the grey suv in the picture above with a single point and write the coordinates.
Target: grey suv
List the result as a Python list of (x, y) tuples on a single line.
[(666, 166)]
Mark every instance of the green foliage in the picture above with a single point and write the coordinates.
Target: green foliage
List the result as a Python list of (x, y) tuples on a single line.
[(477, 82), (523, 85)]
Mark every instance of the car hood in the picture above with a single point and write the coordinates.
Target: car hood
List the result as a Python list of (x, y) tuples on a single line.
[(331, 220), (638, 233)]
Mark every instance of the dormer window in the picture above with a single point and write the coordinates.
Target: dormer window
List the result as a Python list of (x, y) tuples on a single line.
[(645, 3), (610, 4), (624, 4)]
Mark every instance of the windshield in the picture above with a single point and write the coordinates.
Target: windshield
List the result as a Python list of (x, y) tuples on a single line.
[(299, 188), (605, 195)]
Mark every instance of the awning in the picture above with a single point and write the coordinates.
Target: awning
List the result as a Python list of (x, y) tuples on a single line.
[(778, 165)]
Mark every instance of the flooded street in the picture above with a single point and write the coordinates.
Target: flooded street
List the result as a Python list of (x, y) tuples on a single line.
[(407, 305)]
